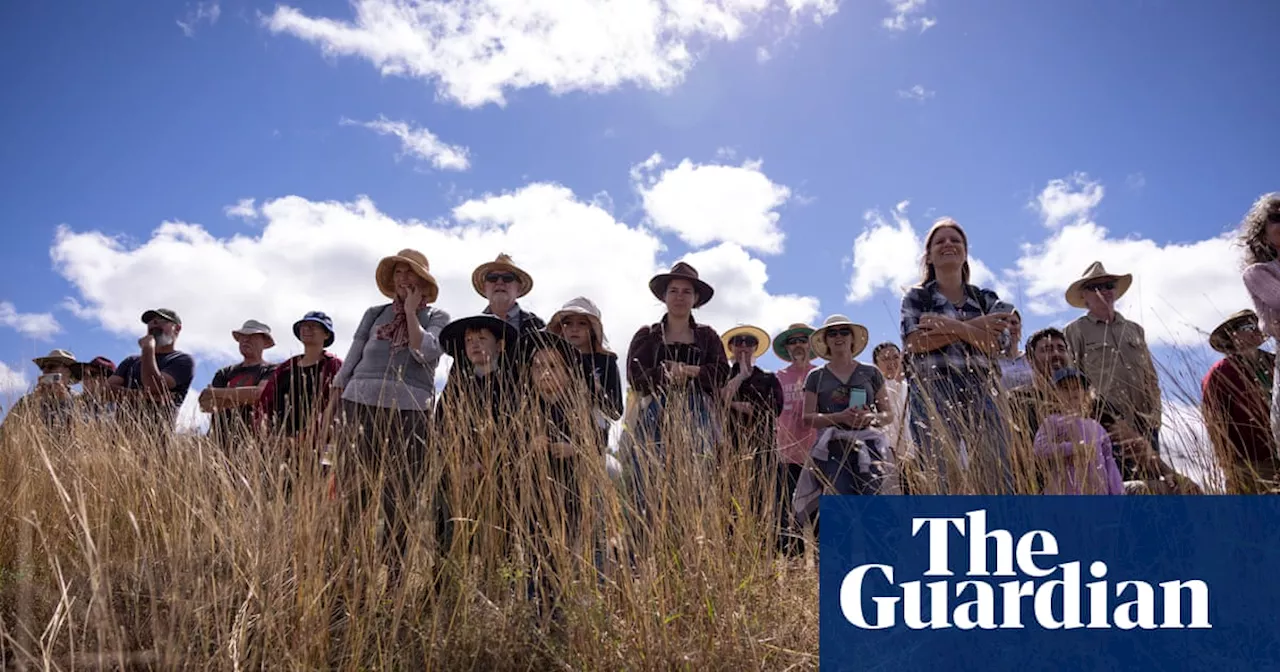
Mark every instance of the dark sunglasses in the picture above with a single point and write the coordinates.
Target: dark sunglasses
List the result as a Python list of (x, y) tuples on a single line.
[(500, 277), (1273, 217), (1099, 286), (749, 341), (50, 369), (840, 331), (1246, 326), (798, 340)]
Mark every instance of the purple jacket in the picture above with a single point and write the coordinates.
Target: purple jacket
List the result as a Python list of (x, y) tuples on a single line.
[(1063, 478)]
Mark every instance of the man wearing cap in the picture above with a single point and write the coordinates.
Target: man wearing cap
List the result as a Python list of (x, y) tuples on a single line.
[(154, 382), (235, 388), (1112, 351), (51, 402), (1236, 400)]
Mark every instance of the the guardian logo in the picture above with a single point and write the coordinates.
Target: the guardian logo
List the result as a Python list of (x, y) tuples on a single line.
[(1125, 605)]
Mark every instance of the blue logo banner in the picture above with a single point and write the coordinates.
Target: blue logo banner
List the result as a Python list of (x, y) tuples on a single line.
[(1072, 582)]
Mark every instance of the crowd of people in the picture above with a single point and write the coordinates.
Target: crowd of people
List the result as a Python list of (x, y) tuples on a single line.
[(958, 405)]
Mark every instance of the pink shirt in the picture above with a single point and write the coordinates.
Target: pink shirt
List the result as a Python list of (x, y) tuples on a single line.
[(1263, 282), (794, 439)]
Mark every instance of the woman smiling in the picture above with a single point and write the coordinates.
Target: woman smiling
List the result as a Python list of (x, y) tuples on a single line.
[(952, 332)]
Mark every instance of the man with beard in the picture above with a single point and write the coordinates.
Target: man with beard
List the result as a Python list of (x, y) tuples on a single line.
[(1141, 467), (151, 385)]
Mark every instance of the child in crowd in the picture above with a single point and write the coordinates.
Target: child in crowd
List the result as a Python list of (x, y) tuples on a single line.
[(1074, 449)]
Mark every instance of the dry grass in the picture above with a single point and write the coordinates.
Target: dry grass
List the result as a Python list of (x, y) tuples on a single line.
[(119, 551)]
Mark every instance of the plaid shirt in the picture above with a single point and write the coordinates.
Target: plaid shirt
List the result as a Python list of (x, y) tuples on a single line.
[(960, 356)]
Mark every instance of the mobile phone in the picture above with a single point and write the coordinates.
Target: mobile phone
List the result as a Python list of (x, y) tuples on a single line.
[(857, 397), (49, 378)]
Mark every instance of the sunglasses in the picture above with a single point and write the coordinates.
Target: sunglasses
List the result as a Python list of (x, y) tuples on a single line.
[(798, 340), (1100, 286), (1247, 326), (495, 278), (748, 341), (840, 331), (50, 369), (1273, 217)]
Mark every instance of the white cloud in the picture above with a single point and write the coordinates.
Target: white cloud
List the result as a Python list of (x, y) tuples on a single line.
[(243, 209), (202, 12), (908, 13), (712, 203), (40, 326), (886, 256), (312, 255), (1180, 291), (13, 384), (1068, 200), (917, 93), (1135, 181), (763, 55), (419, 142), (479, 51)]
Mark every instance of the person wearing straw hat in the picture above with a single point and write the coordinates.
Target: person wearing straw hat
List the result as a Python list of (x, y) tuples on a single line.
[(848, 404), (1236, 401), (952, 333), (754, 400), (51, 401), (235, 389), (794, 438), (388, 382), (673, 364), (154, 383), (502, 283), (579, 322), (1112, 350)]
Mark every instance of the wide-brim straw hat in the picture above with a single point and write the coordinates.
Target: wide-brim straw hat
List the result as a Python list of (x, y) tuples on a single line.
[(252, 327), (56, 356), (780, 341), (1220, 338), (587, 308), (681, 271), (819, 338), (1096, 272), (417, 262), (453, 338), (502, 263), (761, 336)]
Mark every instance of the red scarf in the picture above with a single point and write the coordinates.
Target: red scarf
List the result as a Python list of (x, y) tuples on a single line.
[(397, 330)]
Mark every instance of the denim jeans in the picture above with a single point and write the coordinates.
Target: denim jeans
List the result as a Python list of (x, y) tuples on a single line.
[(960, 432)]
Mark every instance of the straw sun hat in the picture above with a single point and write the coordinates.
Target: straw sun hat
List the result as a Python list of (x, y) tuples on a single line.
[(1096, 273), (819, 338), (762, 339), (417, 262), (502, 263)]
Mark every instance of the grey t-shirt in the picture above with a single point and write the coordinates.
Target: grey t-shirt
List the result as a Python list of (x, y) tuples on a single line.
[(834, 393)]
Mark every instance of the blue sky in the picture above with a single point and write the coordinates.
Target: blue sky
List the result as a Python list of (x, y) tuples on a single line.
[(1136, 132)]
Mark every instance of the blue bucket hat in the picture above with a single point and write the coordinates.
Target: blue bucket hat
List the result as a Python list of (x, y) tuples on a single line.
[(320, 319)]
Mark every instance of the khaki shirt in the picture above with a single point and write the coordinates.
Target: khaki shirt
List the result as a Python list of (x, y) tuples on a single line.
[(1115, 357)]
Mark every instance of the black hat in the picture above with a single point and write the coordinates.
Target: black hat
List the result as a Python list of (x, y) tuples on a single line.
[(319, 318), (453, 338), (534, 342)]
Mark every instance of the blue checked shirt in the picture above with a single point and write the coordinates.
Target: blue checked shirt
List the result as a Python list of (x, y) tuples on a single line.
[(959, 357)]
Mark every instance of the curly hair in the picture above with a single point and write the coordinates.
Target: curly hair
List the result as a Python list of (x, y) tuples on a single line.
[(1253, 229)]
